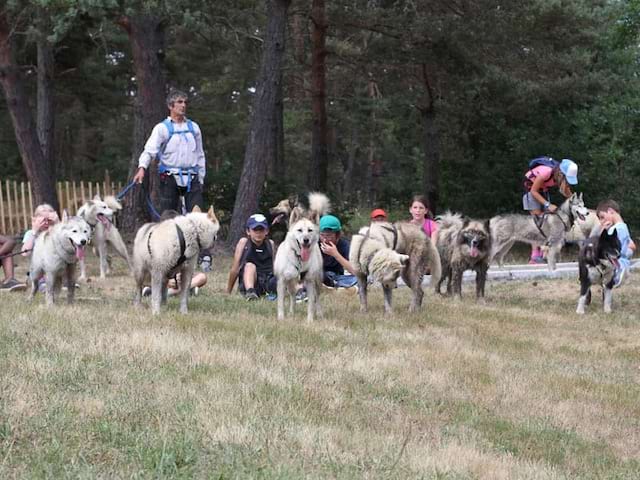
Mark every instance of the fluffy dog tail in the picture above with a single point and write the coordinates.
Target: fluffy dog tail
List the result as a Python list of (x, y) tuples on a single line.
[(431, 257), (319, 203)]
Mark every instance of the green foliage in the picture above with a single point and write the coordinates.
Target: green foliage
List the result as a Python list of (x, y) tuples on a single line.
[(508, 80)]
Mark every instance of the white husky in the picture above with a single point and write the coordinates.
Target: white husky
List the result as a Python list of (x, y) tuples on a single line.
[(162, 250), (551, 231), (299, 259), (55, 253), (98, 214)]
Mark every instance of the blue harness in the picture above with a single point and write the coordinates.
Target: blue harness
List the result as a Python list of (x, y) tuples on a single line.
[(188, 171)]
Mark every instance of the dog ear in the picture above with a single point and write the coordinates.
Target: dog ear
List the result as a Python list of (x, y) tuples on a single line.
[(315, 217), (487, 225), (96, 198), (211, 214), (196, 208), (295, 216), (65, 216), (293, 201), (404, 259), (465, 221)]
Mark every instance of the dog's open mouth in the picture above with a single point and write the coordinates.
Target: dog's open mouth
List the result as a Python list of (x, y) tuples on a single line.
[(581, 216), (278, 218), (614, 261), (473, 251), (104, 220), (305, 253), (79, 250)]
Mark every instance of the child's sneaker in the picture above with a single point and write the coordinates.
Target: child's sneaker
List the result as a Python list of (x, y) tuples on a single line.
[(146, 292), (271, 297), (13, 285), (619, 278), (251, 295), (301, 296)]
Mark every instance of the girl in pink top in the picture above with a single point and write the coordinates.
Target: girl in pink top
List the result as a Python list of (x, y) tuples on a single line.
[(538, 181), (420, 215)]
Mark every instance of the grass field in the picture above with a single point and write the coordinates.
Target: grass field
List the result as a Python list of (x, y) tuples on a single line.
[(519, 387)]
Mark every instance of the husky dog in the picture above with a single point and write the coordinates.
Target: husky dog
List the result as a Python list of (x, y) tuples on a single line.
[(299, 259), (550, 229), (98, 214), (463, 244), (300, 206), (403, 238), (597, 263), (55, 253), (162, 250), (584, 229), (372, 257)]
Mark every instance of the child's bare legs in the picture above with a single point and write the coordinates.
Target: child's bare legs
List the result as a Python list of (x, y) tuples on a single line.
[(6, 246), (198, 280)]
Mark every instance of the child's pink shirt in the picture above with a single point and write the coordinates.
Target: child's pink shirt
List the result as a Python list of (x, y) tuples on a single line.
[(544, 172)]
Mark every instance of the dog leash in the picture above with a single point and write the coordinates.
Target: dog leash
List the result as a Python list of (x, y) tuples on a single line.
[(152, 209), (125, 190), (8, 255)]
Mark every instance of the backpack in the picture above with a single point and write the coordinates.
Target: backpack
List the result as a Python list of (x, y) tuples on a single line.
[(537, 162), (544, 161)]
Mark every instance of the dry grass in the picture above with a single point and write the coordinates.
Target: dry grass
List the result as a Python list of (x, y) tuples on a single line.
[(518, 387)]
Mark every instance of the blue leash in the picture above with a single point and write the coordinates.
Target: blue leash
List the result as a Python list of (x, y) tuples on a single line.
[(152, 209), (125, 190)]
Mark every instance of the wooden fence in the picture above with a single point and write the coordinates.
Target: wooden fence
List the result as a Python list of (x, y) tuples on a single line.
[(16, 201)]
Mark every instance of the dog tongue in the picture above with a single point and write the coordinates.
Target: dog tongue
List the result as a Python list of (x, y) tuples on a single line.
[(105, 221), (305, 253), (474, 251), (80, 252)]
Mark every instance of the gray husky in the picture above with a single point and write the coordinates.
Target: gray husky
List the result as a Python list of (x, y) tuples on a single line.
[(162, 250), (463, 244), (597, 264), (98, 214), (55, 254), (371, 257), (549, 230), (406, 239)]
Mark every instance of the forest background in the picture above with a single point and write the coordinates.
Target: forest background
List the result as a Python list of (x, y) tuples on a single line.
[(370, 101)]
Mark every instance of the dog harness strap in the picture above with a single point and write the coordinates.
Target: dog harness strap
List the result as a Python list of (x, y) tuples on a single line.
[(393, 230), (539, 222), (183, 246)]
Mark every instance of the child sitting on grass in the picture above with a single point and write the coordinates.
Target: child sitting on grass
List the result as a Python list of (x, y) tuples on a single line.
[(253, 261)]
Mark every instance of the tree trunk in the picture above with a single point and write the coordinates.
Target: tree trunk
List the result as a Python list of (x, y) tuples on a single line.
[(317, 178), (374, 160), (39, 172), (262, 136), (46, 99), (431, 169), (147, 36)]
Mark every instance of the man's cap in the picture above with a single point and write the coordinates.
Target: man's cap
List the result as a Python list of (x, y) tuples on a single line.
[(570, 170), (257, 220), (329, 222), (378, 212)]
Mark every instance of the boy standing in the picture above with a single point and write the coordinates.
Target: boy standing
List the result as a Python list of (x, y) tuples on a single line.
[(253, 261), (608, 212)]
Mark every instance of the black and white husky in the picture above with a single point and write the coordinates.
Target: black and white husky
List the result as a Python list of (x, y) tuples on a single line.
[(597, 264)]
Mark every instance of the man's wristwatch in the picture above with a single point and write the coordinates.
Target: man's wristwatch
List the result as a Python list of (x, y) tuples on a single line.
[(546, 204)]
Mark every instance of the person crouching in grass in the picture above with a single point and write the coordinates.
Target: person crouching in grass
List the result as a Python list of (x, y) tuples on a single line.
[(253, 261)]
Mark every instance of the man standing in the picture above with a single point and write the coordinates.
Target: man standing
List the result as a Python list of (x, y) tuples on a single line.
[(177, 144)]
